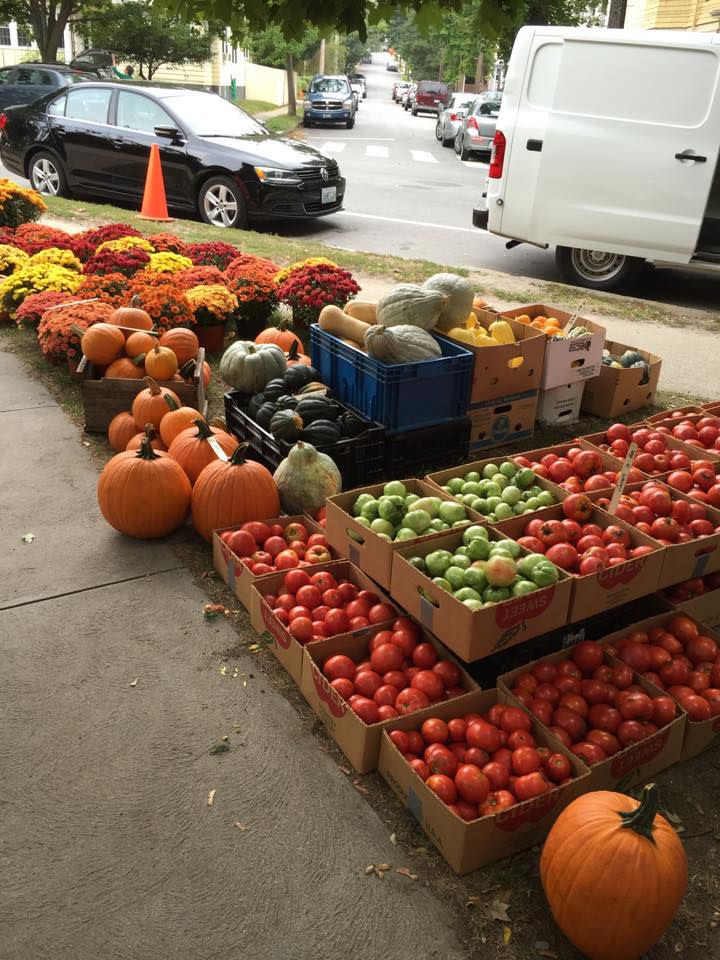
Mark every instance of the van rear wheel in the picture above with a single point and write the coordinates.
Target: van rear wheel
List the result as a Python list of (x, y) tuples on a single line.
[(595, 269)]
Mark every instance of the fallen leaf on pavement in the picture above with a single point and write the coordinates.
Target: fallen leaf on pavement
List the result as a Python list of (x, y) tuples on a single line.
[(28, 538), (498, 910), (345, 771), (219, 748), (241, 826), (212, 610), (393, 839), (211, 797), (507, 934), (360, 788), (404, 872), (134, 683)]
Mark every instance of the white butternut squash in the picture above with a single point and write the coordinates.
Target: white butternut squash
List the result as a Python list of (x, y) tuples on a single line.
[(333, 320)]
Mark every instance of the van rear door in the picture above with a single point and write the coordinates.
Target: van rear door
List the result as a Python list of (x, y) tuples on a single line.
[(630, 146)]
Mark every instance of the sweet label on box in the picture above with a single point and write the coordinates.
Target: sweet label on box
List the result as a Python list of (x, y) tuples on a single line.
[(531, 811), (329, 696), (643, 753), (234, 566), (275, 627)]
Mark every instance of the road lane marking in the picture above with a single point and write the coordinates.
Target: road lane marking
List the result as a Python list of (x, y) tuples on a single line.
[(422, 156), (374, 139), (332, 147), (410, 223), (373, 151)]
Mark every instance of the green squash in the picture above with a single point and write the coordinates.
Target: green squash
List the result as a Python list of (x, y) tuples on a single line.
[(286, 425), (351, 426), (297, 376), (630, 357), (286, 402), (317, 407), (265, 414), (274, 389), (254, 404), (322, 433)]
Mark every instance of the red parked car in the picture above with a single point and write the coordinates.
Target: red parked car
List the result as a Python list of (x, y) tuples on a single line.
[(430, 97)]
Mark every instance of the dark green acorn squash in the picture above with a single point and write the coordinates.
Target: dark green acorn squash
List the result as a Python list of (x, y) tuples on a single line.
[(317, 407), (286, 425), (321, 433), (265, 414), (350, 425), (286, 402), (298, 375), (254, 404), (274, 389)]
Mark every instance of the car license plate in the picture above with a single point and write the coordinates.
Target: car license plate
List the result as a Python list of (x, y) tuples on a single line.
[(327, 116), (328, 195)]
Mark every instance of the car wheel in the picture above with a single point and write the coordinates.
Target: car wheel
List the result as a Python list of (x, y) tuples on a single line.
[(595, 269), (438, 131), (306, 123), (350, 124), (414, 112), (47, 176), (221, 203), (460, 147), (447, 142)]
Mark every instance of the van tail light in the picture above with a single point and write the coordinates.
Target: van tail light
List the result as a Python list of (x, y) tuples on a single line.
[(453, 117), (472, 122), (497, 157), (3, 121)]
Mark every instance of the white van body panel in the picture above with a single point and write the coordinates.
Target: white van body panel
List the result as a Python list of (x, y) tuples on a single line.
[(611, 108)]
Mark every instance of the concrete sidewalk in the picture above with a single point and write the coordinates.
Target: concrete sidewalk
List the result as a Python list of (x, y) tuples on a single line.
[(110, 849)]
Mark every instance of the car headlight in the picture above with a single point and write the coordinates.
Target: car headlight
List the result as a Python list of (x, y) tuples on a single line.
[(273, 175), (348, 103), (307, 105)]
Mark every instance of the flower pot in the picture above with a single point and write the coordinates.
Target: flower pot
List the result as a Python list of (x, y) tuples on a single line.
[(212, 338)]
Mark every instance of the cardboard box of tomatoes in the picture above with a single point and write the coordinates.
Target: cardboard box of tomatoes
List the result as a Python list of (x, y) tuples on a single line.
[(476, 633), (356, 690), (238, 550), (575, 694), (698, 598), (610, 561), (683, 657), (499, 822), (294, 607), (577, 467), (693, 432), (352, 534)]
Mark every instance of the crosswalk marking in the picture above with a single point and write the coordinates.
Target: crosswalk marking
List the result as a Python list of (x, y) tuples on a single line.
[(374, 151), (333, 147), (423, 156)]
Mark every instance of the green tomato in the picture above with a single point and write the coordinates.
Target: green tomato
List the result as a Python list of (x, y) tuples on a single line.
[(437, 562), (494, 503), (475, 578), (535, 491), (443, 584), (405, 533), (500, 570), (545, 498), (500, 481), (467, 593), (545, 574), (382, 526), (455, 576), (503, 511), (461, 552), (467, 499), (534, 503), (479, 549), (396, 488), (519, 509), (512, 495), (490, 470), (418, 563), (492, 490), (476, 532), (385, 536), (461, 560), (369, 510), (430, 504), (495, 594), (473, 604), (472, 487), (523, 587), (455, 485), (363, 521), (479, 505), (524, 478), (471, 477), (360, 502), (452, 512), (387, 510), (514, 548), (410, 499), (438, 525), (417, 520), (508, 469), (527, 564)]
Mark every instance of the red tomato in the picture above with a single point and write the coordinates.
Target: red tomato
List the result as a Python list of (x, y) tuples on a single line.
[(477, 756), (448, 672), (308, 596), (472, 784), (591, 753), (712, 696), (434, 730), (482, 734), (295, 579), (322, 580), (697, 708), (561, 734), (443, 786), (405, 639), (417, 744), (380, 612), (336, 621), (457, 729), (531, 785), (339, 666), (466, 811), (701, 648), (604, 717), (520, 738), (588, 656), (558, 767), (396, 678), (543, 710), (348, 591), (630, 731), (386, 657), (525, 760), (424, 656), (441, 759), (386, 712), (385, 695), (513, 718), (420, 768), (497, 774), (574, 702), (359, 623), (301, 629), (430, 684), (568, 685), (378, 639), (366, 709), (401, 740), (332, 597), (675, 673), (607, 742), (494, 714), (409, 700), (594, 691), (664, 710), (367, 683), (282, 615), (346, 688), (571, 722), (545, 672)]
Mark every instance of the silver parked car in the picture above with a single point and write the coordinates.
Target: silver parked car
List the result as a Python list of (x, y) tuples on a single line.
[(399, 88), (407, 98), (451, 117), (477, 129)]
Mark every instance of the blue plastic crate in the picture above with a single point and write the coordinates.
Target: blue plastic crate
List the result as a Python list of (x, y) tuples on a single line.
[(401, 396)]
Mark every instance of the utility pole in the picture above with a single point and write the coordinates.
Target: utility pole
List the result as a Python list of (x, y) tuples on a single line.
[(321, 58)]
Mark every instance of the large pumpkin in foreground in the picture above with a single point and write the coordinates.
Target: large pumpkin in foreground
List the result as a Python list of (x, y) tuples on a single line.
[(193, 451), (614, 872), (233, 492), (144, 493)]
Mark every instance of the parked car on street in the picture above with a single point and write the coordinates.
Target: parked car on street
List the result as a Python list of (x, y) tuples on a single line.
[(329, 99), (391, 65), (26, 82), (450, 117), (399, 88), (366, 58), (407, 96), (95, 138), (477, 129), (429, 97), (358, 89), (362, 80)]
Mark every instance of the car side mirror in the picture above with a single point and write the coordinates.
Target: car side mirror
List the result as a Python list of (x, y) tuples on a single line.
[(168, 133)]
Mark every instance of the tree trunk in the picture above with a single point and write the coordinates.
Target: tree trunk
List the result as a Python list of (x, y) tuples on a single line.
[(292, 104), (616, 14), (48, 25)]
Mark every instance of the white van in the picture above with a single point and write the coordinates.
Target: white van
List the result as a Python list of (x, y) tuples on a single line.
[(607, 147)]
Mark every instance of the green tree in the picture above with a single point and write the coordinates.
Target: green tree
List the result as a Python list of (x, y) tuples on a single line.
[(144, 34), (271, 48), (47, 19), (354, 48)]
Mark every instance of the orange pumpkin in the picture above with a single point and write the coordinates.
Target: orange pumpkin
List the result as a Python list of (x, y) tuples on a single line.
[(161, 363), (150, 405), (234, 492), (192, 450), (144, 493), (188, 371), (176, 420), (206, 373), (183, 343), (295, 356), (614, 872), (280, 336), (125, 369), (121, 431), (138, 343), (132, 316), (102, 343), (149, 433)]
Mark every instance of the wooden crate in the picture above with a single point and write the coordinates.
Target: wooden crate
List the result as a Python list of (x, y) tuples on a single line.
[(103, 398)]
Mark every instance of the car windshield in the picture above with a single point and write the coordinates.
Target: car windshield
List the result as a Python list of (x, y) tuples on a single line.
[(428, 87), (328, 85), (207, 115), (460, 102)]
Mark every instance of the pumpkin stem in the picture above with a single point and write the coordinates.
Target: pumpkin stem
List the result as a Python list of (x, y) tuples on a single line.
[(150, 431), (188, 369), (78, 331), (293, 352), (171, 402), (238, 456), (204, 431), (642, 820), (152, 386), (146, 451), (139, 360)]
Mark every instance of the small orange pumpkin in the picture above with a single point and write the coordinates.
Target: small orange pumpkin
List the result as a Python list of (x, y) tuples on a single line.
[(294, 356), (132, 316), (150, 405), (161, 363), (206, 372), (149, 433), (138, 343), (280, 335), (125, 369), (144, 493), (624, 860), (102, 343), (192, 450), (183, 343), (234, 492), (176, 420), (121, 430)]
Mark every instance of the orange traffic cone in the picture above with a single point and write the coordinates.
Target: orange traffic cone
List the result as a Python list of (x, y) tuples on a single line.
[(154, 205)]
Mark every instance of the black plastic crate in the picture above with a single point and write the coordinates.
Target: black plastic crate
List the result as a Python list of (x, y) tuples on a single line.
[(417, 452), (360, 459)]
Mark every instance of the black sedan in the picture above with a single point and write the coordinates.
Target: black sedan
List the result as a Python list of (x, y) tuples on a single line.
[(94, 139)]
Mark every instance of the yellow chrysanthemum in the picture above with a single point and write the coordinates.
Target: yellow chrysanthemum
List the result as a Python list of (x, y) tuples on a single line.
[(62, 258), (124, 243)]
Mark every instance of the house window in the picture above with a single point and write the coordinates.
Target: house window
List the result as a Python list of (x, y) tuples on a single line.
[(4, 35), (24, 38)]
